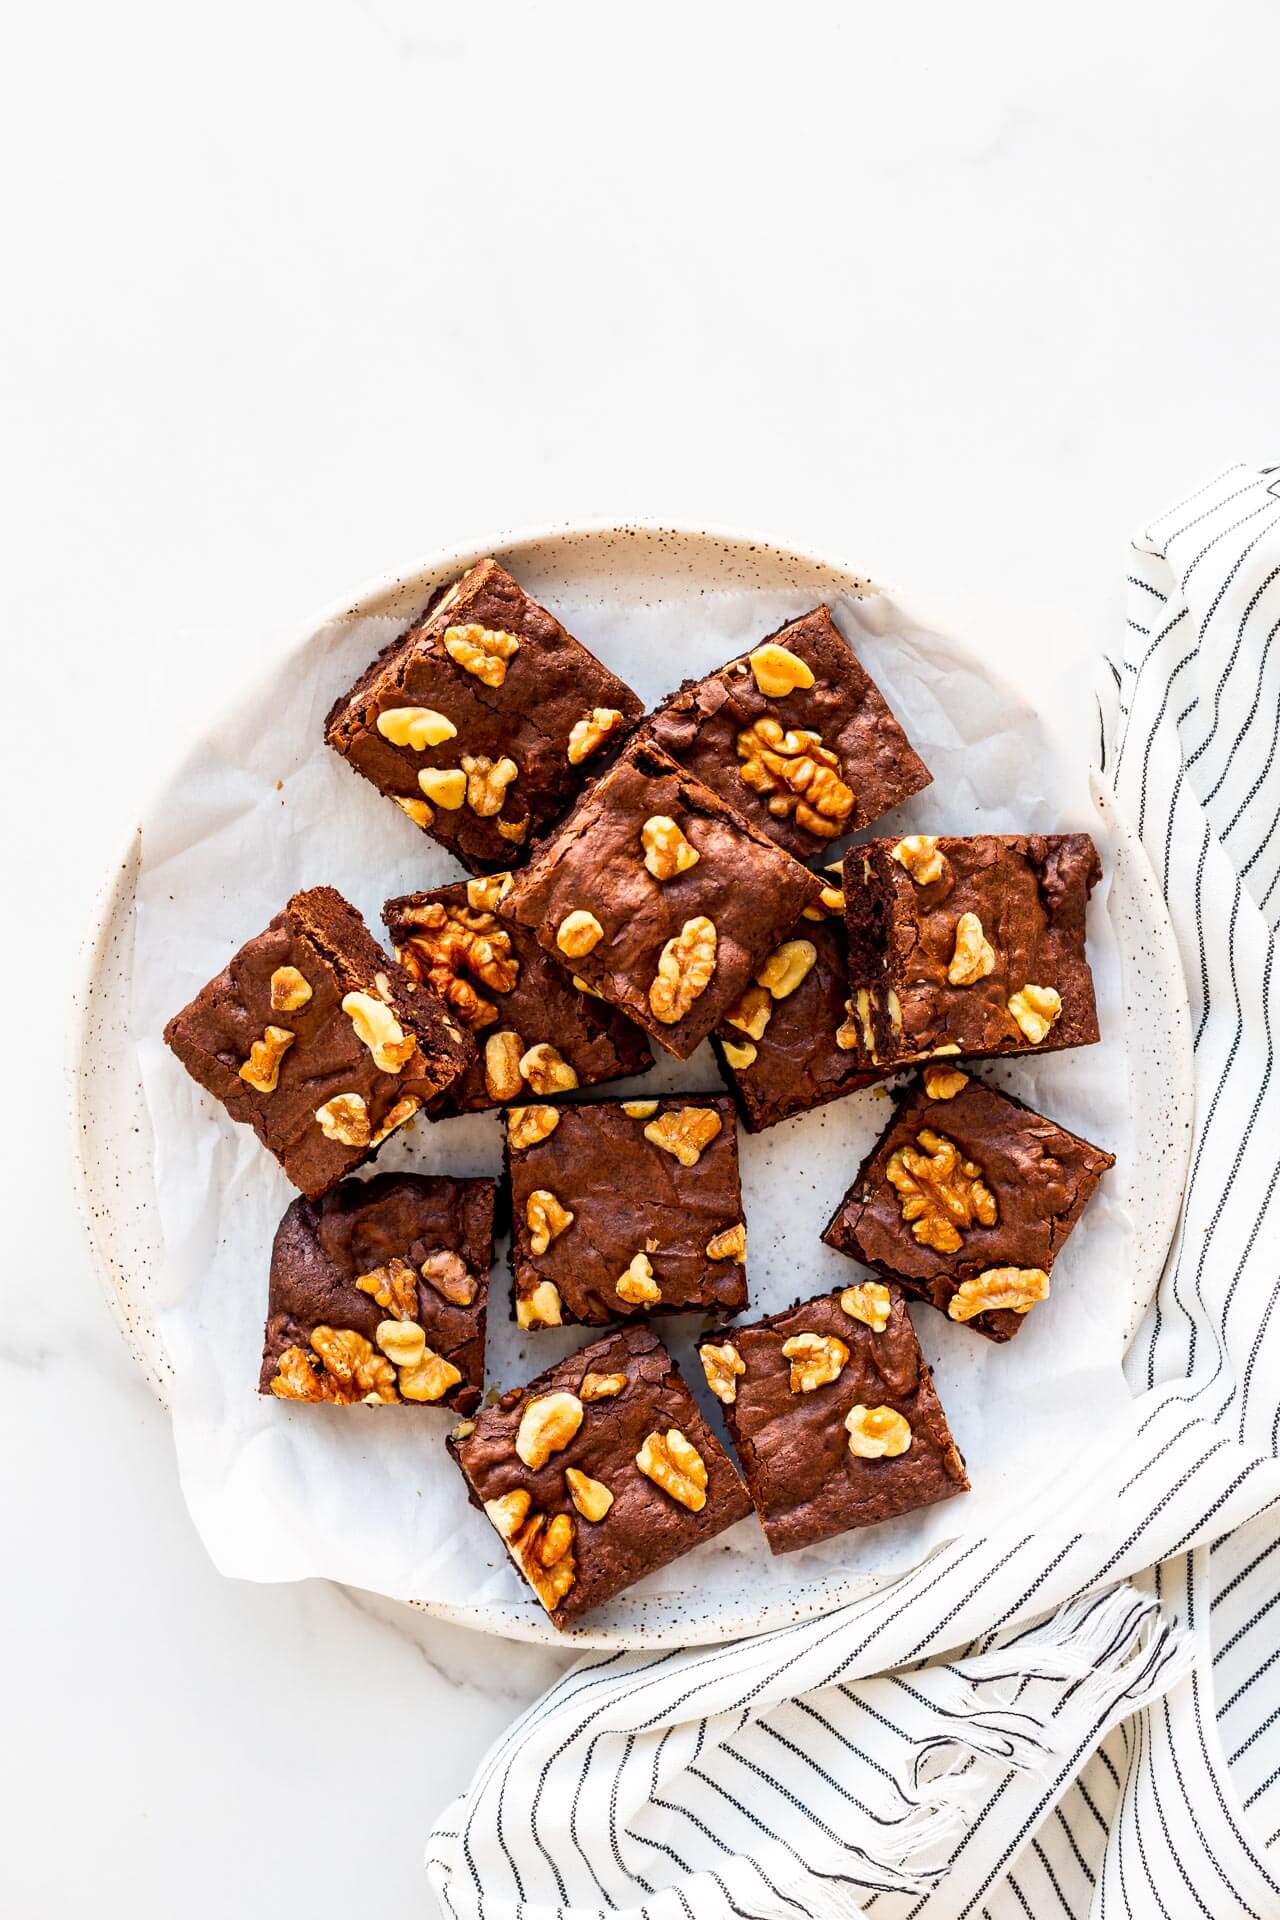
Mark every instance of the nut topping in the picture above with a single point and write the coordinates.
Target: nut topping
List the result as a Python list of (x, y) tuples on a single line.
[(547, 1425), (513, 830), (546, 1219), (637, 1285), (486, 890), (507, 1514), (752, 1012), (684, 1132), (601, 1386), (487, 782), (345, 1119), (729, 1245), (415, 727), (871, 1303), (526, 1126), (403, 1342), (541, 1308), (974, 957), (418, 810), (999, 1290), (944, 1083), (786, 967), (918, 853), (939, 1191), (848, 1037), (639, 1109), (778, 671), (591, 732), (544, 1553), (430, 1379), (502, 1055), (394, 1288), (445, 786), (447, 944), (578, 933), (739, 1057), (289, 990), (481, 651), (1035, 1009), (351, 1371), (722, 1365), (685, 967), (591, 1497), (799, 773), (816, 1360), (403, 1110), (262, 1068), (876, 1433), (376, 1025), (666, 850), (446, 1271), (546, 1071), (674, 1464)]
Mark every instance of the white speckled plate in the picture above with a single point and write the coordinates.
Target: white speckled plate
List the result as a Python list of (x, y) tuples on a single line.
[(645, 567)]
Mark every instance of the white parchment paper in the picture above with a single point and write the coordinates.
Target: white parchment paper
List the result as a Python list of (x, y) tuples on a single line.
[(369, 1496)]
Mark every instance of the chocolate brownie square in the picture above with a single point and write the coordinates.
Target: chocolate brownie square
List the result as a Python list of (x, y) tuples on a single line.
[(795, 735), (599, 1472), (660, 896), (967, 1199), (483, 719), (970, 945), (832, 1411), (790, 1043), (625, 1208), (378, 1293), (312, 1036), (535, 1030)]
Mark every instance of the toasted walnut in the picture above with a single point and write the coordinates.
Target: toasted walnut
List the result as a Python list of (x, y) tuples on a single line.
[(974, 957), (918, 853), (449, 943), (487, 782), (864, 1000), (415, 727), (799, 773), (444, 786), (295, 1378), (591, 1497), (526, 1126), (403, 1342), (354, 1365), (685, 967), (684, 1132), (430, 1379), (486, 890), (546, 1219), (289, 990), (508, 1512), (541, 1308), (601, 1386), (546, 1071), (481, 651), (778, 671), (377, 1027), (262, 1068), (361, 1374), (816, 1360), (502, 1055), (637, 1285), (547, 1425), (729, 1245), (830, 900), (446, 1272), (578, 933), (462, 1431), (722, 1365), (513, 830), (939, 1191), (787, 967), (739, 1057), (752, 1012), (847, 1035), (639, 1109), (403, 1110), (674, 1464), (544, 1552), (418, 810), (591, 732), (666, 850), (876, 1433), (394, 1288), (345, 1119), (871, 1303), (999, 1290), (1035, 1009), (585, 986), (944, 1083)]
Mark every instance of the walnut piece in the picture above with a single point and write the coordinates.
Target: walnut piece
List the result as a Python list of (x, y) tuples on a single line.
[(445, 786), (487, 782), (289, 990), (541, 1308), (685, 967), (786, 967), (752, 1012), (547, 1425), (542, 1549), (578, 933), (415, 727), (848, 1037), (590, 732), (526, 1126), (262, 1068), (418, 810), (871, 1303), (939, 1191), (778, 671), (637, 1285), (545, 1218), (974, 957), (591, 1497), (666, 850), (944, 1083), (739, 1057), (403, 1342), (514, 830), (394, 1288), (430, 1379), (999, 1290), (352, 1371), (481, 651), (446, 1272), (546, 1071), (684, 1132), (377, 1027), (447, 944), (729, 1245), (722, 1364), (345, 1119), (639, 1109), (801, 776), (674, 1464), (404, 1109), (601, 1386), (486, 890), (876, 1433), (918, 853), (1035, 1009), (503, 1053), (508, 1512), (816, 1359)]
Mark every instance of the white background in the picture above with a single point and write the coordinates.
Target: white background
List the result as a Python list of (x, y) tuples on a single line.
[(294, 294)]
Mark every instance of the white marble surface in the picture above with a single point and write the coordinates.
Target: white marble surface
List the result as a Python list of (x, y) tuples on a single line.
[(302, 292)]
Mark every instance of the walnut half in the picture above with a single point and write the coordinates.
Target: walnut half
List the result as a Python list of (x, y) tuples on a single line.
[(673, 1463), (939, 1191), (684, 1132), (685, 967), (816, 1360), (999, 1290), (722, 1365), (876, 1433)]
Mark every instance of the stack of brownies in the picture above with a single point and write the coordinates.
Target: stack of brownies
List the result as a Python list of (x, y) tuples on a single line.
[(639, 878)]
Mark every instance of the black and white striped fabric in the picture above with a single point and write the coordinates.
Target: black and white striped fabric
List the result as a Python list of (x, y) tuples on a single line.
[(1080, 1720)]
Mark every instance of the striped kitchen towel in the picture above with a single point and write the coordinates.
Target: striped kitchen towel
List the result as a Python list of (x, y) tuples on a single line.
[(1077, 1721)]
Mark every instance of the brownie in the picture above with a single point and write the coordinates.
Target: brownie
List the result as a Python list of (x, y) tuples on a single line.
[(625, 1208), (968, 1196), (318, 1040), (660, 896), (378, 1293), (793, 1046), (599, 1472), (483, 719), (535, 1031), (970, 945), (832, 1411), (796, 735)]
